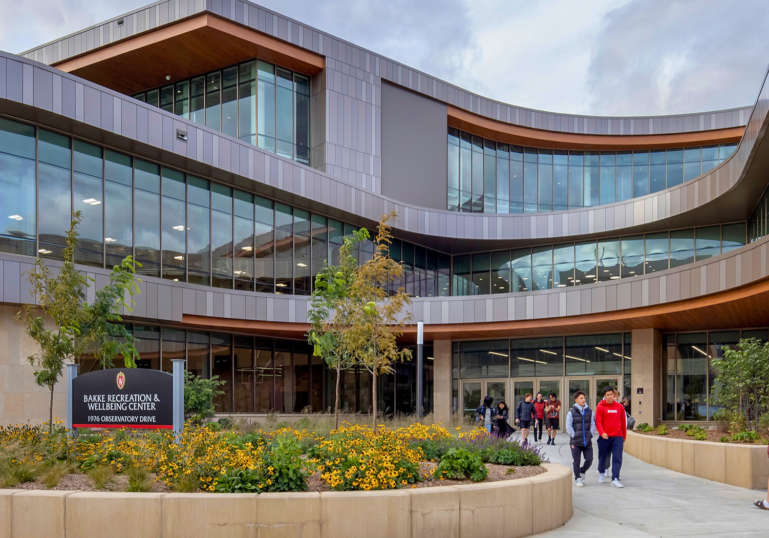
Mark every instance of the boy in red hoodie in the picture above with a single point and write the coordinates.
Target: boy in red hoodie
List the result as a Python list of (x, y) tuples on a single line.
[(611, 424)]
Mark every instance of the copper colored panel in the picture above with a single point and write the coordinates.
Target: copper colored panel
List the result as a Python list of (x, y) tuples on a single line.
[(182, 50), (527, 136)]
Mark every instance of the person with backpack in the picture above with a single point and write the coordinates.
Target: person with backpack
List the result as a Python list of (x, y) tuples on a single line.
[(539, 414), (487, 413), (580, 424), (611, 423), (504, 430), (524, 415)]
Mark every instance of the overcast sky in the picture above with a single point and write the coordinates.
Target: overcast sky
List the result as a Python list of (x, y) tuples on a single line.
[(605, 57)]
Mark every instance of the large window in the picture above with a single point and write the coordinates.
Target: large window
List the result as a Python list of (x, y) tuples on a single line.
[(255, 101), (17, 184), (493, 177)]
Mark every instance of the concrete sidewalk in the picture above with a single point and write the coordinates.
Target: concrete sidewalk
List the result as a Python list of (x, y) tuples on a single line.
[(657, 502)]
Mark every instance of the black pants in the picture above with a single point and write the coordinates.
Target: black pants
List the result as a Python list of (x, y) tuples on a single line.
[(538, 425), (576, 453)]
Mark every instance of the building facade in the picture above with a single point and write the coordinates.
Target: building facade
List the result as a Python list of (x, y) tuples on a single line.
[(230, 149)]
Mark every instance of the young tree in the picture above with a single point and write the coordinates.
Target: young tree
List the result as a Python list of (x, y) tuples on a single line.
[(332, 286), (78, 326), (374, 319), (742, 384)]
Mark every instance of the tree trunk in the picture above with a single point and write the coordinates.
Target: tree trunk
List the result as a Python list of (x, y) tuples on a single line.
[(336, 404), (50, 413), (374, 396)]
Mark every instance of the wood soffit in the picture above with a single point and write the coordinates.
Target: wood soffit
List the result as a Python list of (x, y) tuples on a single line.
[(538, 138), (747, 306), (182, 50)]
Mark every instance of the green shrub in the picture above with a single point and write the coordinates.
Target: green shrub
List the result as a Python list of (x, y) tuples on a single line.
[(239, 481), (515, 456), (304, 423), (13, 473), (139, 479), (226, 423), (746, 437), (763, 422), (725, 439), (692, 431), (215, 426), (686, 427), (662, 429), (459, 464), (282, 424), (644, 427), (199, 396), (187, 483), (285, 459), (700, 435)]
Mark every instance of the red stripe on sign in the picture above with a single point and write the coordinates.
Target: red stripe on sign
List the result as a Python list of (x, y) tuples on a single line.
[(134, 427)]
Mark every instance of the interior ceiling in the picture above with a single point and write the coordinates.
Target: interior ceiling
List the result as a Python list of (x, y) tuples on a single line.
[(742, 307), (179, 51)]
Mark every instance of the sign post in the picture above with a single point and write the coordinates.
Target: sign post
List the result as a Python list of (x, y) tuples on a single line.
[(71, 375), (420, 370), (178, 395)]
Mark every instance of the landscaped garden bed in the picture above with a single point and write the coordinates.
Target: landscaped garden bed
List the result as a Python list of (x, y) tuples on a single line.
[(719, 434), (211, 459)]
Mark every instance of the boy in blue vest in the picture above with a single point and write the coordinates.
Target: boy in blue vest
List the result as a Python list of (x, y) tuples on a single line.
[(580, 424)]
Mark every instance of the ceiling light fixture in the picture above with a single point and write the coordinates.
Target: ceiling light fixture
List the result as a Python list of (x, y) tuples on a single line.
[(16, 217), (179, 258), (576, 358), (530, 360), (109, 240), (247, 248), (698, 349), (300, 264), (497, 353), (614, 277), (602, 349), (179, 228), (44, 251), (548, 352), (92, 201)]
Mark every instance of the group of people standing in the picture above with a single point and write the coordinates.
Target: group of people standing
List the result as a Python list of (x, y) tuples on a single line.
[(528, 413)]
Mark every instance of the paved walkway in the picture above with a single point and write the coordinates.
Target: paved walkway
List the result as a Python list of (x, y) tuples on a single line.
[(657, 502)]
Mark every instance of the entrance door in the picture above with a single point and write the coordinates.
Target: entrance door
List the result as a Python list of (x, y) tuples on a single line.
[(575, 384), (546, 386), (521, 387), (603, 382), (592, 387), (474, 392)]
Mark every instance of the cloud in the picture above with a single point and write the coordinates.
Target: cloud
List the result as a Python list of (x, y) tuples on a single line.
[(677, 56), (604, 57)]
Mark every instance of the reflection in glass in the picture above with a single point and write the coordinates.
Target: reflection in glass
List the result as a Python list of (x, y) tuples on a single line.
[(542, 268), (708, 242), (500, 271), (681, 247), (632, 256), (608, 260), (585, 266), (599, 354), (656, 252), (563, 266), (118, 218), (483, 359), (521, 270), (536, 357)]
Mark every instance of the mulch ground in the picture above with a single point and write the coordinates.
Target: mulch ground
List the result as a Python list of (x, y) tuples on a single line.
[(82, 482), (713, 435)]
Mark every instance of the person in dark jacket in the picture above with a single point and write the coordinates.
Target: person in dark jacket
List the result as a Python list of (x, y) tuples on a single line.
[(487, 413), (503, 428), (524, 415), (580, 424)]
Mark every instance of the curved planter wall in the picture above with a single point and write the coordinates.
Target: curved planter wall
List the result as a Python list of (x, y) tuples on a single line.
[(497, 509), (746, 466)]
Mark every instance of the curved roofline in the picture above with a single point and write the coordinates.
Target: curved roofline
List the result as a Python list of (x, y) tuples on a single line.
[(157, 15)]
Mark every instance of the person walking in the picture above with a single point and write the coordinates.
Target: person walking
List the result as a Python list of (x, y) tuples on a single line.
[(539, 416), (553, 410), (580, 424), (611, 424), (504, 430), (524, 414), (486, 413)]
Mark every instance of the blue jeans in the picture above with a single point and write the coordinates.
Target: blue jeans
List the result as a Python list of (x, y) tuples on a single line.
[(488, 427), (612, 446)]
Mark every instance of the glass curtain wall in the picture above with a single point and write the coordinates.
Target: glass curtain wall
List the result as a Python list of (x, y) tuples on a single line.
[(255, 101), (491, 177), (576, 264), (17, 183)]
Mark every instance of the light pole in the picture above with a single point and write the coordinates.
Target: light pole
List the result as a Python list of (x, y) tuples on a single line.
[(420, 361)]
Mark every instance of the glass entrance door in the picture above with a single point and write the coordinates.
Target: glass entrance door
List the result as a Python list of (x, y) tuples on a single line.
[(521, 387), (575, 384), (603, 382), (474, 392), (546, 386)]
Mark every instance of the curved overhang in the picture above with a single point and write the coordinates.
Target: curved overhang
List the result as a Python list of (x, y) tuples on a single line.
[(57, 100), (540, 138)]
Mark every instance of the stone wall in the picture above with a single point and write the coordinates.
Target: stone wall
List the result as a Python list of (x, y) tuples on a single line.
[(21, 400), (511, 508)]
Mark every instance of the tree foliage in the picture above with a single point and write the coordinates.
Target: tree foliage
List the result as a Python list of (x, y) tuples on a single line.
[(371, 320), (78, 327), (742, 384), (332, 285), (199, 396)]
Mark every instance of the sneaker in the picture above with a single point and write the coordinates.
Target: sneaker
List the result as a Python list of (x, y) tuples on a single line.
[(616, 483), (582, 476), (601, 478), (580, 482)]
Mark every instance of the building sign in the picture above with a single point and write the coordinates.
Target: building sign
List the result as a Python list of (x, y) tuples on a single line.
[(123, 398)]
